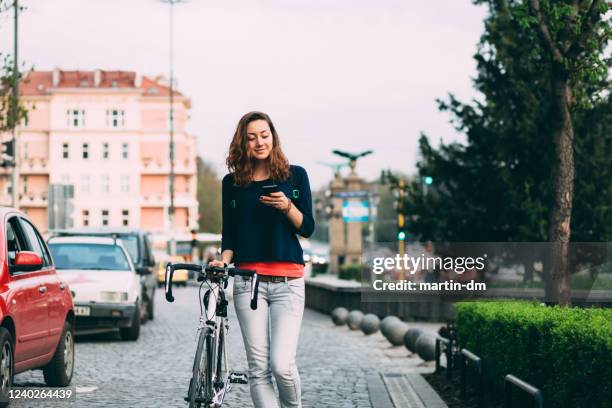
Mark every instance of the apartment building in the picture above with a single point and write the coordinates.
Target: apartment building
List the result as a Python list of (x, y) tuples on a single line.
[(107, 134)]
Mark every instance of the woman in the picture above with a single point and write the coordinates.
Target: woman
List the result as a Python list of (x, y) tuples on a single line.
[(259, 232)]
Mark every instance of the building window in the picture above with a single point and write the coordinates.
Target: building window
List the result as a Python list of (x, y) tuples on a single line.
[(65, 151), (104, 217), (25, 184), (24, 149), (115, 118), (85, 184), (125, 218), (85, 218), (125, 184), (104, 184), (105, 150), (75, 118), (125, 150), (85, 150)]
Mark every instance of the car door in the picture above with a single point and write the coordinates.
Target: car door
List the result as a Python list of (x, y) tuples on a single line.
[(149, 262), (54, 286), (28, 302)]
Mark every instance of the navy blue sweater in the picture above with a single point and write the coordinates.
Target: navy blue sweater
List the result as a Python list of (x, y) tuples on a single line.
[(259, 233)]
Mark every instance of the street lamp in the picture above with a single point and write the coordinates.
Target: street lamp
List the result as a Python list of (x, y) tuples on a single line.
[(172, 248), (15, 111)]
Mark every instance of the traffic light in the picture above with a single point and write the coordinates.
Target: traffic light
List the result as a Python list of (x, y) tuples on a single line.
[(401, 236), (7, 153), (428, 180)]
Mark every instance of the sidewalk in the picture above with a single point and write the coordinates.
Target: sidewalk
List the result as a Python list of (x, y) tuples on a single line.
[(345, 368)]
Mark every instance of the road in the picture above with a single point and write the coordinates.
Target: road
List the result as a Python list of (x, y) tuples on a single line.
[(154, 371)]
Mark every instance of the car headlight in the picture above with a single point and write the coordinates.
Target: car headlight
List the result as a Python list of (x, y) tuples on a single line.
[(306, 257), (113, 296)]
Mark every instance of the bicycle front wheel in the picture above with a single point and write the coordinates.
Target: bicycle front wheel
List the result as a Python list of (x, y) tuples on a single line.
[(200, 387)]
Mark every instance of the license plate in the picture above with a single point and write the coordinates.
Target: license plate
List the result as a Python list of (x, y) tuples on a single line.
[(82, 310)]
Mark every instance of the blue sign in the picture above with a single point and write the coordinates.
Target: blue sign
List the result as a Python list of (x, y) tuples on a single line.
[(349, 194), (355, 211)]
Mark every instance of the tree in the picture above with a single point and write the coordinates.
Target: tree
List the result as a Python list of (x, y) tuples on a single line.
[(209, 197), (572, 34), (509, 182), (12, 112)]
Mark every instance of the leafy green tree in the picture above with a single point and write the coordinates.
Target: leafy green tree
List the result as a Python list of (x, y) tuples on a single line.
[(209, 197), (514, 179), (572, 35), (12, 112)]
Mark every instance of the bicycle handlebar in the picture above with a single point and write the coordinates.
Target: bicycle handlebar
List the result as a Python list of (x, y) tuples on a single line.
[(215, 271)]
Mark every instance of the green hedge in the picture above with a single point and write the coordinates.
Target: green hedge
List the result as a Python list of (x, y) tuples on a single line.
[(566, 352), (351, 272)]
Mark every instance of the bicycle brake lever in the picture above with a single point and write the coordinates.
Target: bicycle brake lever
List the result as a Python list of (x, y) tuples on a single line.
[(168, 284)]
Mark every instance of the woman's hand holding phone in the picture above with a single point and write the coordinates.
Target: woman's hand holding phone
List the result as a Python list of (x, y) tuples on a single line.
[(276, 199)]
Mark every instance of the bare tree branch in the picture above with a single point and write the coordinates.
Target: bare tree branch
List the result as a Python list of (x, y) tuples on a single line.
[(534, 5)]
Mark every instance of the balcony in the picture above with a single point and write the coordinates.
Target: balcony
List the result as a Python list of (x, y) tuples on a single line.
[(157, 166), (163, 200), (34, 166), (33, 200)]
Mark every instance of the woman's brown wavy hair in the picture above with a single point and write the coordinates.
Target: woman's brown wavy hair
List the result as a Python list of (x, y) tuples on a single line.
[(239, 161)]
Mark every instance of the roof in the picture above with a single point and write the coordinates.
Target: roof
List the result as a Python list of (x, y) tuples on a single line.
[(39, 82), (5, 210), (100, 231), (82, 240)]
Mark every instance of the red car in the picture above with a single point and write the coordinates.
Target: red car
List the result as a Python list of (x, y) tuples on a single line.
[(36, 312)]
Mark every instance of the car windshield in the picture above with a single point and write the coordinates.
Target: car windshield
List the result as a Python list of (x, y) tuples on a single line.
[(89, 256), (131, 244)]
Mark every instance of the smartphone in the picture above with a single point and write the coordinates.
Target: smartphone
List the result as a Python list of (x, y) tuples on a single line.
[(271, 188)]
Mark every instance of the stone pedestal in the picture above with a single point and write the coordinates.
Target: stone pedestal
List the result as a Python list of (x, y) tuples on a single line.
[(337, 240), (345, 238)]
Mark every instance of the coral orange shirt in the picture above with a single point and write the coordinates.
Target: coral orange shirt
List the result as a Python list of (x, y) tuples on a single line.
[(290, 269)]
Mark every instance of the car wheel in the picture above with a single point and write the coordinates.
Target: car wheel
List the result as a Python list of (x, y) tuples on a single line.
[(6, 365), (131, 333), (150, 305), (58, 373), (144, 317)]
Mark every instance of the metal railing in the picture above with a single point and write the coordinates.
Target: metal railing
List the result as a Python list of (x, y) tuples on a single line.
[(448, 352), (468, 357), (511, 382)]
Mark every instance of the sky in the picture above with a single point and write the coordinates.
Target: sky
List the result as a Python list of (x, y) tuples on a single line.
[(332, 74)]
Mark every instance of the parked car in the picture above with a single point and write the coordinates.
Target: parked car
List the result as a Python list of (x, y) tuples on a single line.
[(37, 319), (180, 276), (105, 286), (138, 245)]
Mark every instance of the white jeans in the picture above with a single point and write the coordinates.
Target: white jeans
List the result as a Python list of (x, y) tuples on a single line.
[(270, 336)]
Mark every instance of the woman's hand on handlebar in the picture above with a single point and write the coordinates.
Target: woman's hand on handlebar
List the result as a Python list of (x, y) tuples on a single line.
[(216, 263)]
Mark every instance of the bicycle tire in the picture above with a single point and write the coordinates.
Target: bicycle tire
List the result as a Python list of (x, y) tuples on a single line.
[(201, 381)]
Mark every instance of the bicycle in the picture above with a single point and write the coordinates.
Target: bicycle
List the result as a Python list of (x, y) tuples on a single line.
[(211, 377)]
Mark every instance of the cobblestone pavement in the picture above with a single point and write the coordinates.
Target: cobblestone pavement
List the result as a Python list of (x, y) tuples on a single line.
[(154, 371)]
